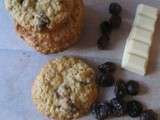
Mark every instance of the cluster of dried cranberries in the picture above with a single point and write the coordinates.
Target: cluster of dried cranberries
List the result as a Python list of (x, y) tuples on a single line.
[(119, 105), (106, 27)]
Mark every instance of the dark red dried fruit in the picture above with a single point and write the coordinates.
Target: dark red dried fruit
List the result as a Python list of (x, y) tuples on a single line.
[(115, 8), (107, 67), (42, 22), (134, 108), (115, 21), (118, 107), (120, 89), (101, 110), (105, 27), (103, 42), (132, 87), (105, 80)]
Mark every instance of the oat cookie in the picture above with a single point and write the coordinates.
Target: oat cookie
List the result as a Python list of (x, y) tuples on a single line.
[(65, 89), (48, 32), (38, 13)]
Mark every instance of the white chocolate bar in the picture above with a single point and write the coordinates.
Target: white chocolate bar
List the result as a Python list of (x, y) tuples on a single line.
[(136, 53)]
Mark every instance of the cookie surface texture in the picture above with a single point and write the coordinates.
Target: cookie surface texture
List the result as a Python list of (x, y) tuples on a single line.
[(65, 89), (28, 13), (49, 26)]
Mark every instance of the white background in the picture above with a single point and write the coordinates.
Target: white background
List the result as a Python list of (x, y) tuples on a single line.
[(19, 63)]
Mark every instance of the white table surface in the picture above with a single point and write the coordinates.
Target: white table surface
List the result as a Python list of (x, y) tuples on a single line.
[(19, 63)]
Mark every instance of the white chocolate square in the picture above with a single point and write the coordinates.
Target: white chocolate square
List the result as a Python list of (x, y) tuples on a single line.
[(139, 48), (135, 64), (145, 23), (142, 35), (148, 11)]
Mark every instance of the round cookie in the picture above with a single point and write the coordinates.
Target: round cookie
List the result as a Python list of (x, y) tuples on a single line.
[(58, 36), (65, 89)]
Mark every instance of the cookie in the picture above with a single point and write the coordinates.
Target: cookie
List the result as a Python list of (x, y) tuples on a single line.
[(65, 89), (39, 13), (53, 34)]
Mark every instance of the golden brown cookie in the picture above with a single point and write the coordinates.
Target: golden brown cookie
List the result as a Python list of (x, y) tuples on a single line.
[(48, 33), (33, 13), (65, 89)]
